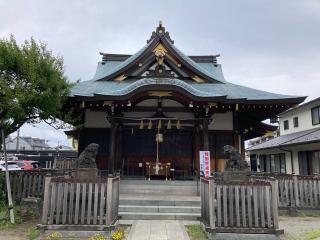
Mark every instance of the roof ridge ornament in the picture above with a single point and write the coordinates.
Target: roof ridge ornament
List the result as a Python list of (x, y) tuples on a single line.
[(160, 32)]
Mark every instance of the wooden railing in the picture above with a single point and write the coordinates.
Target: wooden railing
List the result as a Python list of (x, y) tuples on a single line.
[(249, 207), (76, 203), (296, 191), (65, 163), (28, 183)]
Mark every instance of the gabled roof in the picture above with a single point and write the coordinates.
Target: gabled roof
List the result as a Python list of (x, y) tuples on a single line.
[(302, 137), (161, 65), (159, 48)]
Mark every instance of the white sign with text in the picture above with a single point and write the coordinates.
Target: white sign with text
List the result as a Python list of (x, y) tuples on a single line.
[(205, 163)]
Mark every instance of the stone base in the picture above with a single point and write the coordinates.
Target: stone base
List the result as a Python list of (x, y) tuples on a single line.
[(235, 176), (237, 236), (30, 204), (86, 173)]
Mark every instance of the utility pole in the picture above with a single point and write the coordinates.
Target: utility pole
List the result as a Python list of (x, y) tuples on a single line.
[(17, 142), (7, 175)]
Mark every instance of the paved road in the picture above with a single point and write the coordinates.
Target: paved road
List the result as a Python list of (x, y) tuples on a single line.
[(158, 230)]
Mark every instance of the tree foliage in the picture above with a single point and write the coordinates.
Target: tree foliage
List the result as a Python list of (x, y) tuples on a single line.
[(32, 84)]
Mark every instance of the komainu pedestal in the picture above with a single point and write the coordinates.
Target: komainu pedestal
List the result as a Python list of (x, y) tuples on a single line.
[(237, 169), (86, 167), (86, 174)]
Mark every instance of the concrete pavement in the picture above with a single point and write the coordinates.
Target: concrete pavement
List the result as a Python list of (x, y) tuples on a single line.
[(158, 230)]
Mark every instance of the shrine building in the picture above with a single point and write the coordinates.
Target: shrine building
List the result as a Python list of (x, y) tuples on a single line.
[(160, 107)]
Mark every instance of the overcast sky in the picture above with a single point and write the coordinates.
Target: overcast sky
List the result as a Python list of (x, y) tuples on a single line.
[(271, 45)]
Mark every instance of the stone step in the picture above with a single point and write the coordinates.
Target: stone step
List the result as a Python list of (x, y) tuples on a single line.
[(139, 202), (159, 209), (158, 203), (159, 187), (159, 216), (175, 191), (159, 182), (162, 200)]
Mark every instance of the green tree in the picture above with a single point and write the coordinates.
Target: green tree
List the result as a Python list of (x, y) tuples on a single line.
[(33, 86)]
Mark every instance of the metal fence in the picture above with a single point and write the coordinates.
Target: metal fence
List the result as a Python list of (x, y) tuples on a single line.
[(249, 207), (76, 203)]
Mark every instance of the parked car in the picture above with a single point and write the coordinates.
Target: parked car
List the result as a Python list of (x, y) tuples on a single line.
[(27, 164), (12, 166)]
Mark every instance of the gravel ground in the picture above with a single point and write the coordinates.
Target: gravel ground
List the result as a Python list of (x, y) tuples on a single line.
[(17, 233), (295, 227)]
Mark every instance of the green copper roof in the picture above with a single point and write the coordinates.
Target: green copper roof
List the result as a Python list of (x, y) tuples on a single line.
[(208, 68), (114, 67), (120, 88), (107, 67), (213, 84)]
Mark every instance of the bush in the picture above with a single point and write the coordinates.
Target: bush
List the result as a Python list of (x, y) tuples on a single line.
[(98, 236), (32, 233), (118, 234), (5, 219), (54, 236)]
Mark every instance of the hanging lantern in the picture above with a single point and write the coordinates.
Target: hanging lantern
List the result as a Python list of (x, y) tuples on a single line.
[(159, 124), (178, 124), (159, 137), (169, 124), (150, 124), (141, 124)]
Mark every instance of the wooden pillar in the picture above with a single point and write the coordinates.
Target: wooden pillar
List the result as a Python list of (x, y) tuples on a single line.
[(205, 124), (112, 146), (119, 149), (237, 135), (197, 147)]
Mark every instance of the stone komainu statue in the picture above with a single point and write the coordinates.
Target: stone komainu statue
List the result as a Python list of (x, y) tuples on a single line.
[(87, 158), (234, 160)]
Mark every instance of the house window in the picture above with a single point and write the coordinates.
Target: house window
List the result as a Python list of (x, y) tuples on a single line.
[(295, 122), (280, 163), (265, 163), (315, 112), (253, 162), (305, 163), (316, 162), (286, 124)]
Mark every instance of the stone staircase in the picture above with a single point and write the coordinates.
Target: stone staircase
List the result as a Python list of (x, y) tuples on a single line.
[(159, 200)]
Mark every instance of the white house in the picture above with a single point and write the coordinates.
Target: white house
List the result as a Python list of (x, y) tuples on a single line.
[(26, 143), (297, 149)]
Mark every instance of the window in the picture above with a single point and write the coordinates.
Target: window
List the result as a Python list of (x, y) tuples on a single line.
[(316, 162), (253, 162), (280, 163), (265, 163), (262, 163), (273, 163), (315, 112), (305, 162), (295, 122), (286, 125)]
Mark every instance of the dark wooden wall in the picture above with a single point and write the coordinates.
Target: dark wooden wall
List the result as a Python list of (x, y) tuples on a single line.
[(99, 136), (134, 146), (140, 147)]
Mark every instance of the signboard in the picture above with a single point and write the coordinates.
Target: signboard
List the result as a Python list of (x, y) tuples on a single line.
[(205, 163)]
